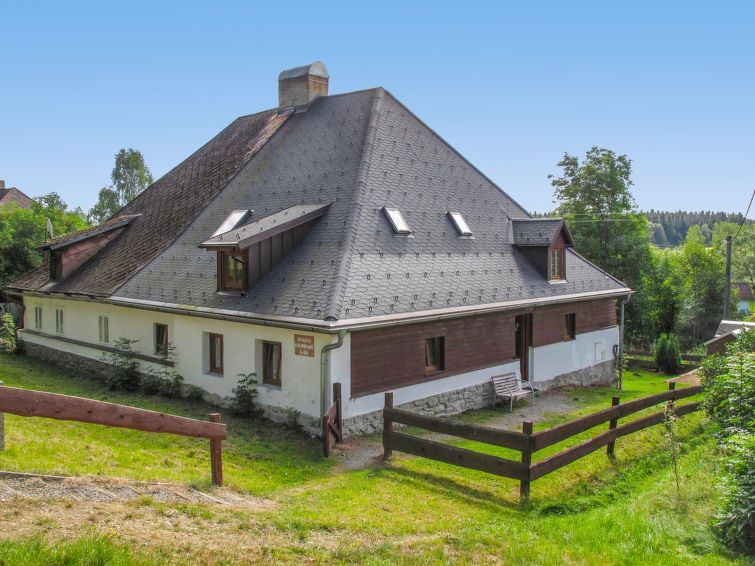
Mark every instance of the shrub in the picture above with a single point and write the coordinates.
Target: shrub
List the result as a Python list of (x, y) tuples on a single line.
[(8, 341), (244, 396), (124, 373), (667, 353), (729, 391), (164, 380), (736, 524)]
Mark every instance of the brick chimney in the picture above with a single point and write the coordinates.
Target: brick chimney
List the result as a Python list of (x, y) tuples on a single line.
[(2, 184), (301, 85)]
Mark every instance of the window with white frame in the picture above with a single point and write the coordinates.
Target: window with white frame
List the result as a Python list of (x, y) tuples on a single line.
[(59, 320), (104, 328), (38, 318)]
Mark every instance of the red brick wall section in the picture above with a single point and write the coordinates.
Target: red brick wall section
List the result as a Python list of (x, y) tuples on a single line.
[(385, 358)]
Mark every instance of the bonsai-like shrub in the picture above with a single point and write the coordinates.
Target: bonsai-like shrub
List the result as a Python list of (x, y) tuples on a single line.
[(667, 353), (244, 396), (124, 373)]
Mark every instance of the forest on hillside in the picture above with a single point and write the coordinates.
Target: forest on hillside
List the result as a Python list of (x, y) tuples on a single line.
[(669, 229)]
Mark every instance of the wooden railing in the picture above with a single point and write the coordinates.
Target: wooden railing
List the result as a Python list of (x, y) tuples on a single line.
[(30, 403), (332, 423), (527, 442)]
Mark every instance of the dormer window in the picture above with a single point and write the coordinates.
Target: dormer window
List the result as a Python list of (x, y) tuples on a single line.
[(233, 269), (398, 223), (460, 224)]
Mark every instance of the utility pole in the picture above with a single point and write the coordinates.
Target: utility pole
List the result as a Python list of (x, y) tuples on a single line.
[(727, 288)]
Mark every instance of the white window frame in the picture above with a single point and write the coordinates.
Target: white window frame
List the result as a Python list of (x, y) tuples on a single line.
[(398, 222), (59, 320), (461, 225), (103, 337)]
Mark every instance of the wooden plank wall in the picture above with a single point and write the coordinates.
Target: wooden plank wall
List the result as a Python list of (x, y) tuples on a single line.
[(387, 358)]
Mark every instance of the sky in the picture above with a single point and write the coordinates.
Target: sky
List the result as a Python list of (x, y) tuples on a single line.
[(511, 85)]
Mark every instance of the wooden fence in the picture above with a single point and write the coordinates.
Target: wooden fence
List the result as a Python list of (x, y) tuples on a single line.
[(332, 423), (30, 403), (527, 442), (647, 354)]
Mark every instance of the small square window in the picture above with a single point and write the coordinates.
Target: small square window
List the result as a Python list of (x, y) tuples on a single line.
[(103, 327), (216, 353), (271, 363), (435, 354), (38, 318), (460, 224), (571, 326), (161, 339), (398, 223), (59, 321)]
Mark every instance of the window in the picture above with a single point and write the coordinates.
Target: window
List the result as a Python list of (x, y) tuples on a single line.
[(56, 265), (216, 353), (38, 318), (397, 221), (161, 340), (435, 354), (460, 224), (232, 266), (104, 329), (59, 321), (556, 264), (271, 363), (571, 326)]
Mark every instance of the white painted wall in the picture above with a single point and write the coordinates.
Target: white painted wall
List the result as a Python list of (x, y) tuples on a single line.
[(300, 375), (586, 350)]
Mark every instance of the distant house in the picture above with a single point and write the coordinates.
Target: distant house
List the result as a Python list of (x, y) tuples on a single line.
[(745, 296), (13, 195), (727, 332), (331, 239)]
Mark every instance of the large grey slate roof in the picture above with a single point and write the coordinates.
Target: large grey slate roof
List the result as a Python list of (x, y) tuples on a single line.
[(360, 152)]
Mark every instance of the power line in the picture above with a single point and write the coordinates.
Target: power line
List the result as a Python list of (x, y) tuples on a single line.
[(745, 217)]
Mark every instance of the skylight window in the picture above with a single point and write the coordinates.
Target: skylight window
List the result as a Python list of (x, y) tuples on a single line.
[(397, 221), (460, 224), (234, 219)]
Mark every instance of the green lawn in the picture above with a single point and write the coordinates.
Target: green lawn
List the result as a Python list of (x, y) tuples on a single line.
[(595, 511)]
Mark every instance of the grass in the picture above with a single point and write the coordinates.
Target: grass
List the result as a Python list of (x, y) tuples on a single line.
[(595, 511)]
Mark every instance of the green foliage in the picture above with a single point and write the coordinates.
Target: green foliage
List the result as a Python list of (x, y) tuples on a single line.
[(124, 374), (23, 228), (164, 379), (244, 396), (669, 228), (130, 177), (729, 399), (292, 418), (8, 342), (667, 354)]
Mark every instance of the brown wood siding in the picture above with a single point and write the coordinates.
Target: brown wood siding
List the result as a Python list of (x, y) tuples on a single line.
[(387, 358)]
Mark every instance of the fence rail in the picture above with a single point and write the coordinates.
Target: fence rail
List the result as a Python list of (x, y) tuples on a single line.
[(526, 441), (648, 354), (31, 403)]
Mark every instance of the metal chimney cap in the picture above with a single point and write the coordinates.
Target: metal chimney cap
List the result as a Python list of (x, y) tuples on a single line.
[(316, 69)]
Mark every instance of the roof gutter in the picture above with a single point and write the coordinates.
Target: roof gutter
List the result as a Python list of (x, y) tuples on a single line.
[(333, 327)]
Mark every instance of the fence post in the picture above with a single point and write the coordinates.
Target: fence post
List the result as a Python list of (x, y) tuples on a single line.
[(2, 427), (387, 425), (524, 486), (611, 425), (216, 454)]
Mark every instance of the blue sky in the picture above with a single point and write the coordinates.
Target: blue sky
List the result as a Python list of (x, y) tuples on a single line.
[(511, 85)]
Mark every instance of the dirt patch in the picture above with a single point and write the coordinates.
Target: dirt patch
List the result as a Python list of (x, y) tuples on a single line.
[(689, 378)]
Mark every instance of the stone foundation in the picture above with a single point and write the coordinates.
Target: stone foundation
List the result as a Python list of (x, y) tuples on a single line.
[(603, 374), (442, 405), (68, 360)]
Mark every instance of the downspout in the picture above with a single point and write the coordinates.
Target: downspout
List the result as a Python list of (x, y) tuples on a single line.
[(621, 344), (324, 362)]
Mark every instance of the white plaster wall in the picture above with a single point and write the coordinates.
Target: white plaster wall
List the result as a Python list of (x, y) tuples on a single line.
[(586, 350), (300, 375)]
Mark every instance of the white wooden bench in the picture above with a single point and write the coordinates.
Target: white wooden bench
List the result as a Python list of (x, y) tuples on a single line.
[(507, 386)]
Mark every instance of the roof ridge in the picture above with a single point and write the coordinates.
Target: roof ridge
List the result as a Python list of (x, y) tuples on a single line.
[(344, 266)]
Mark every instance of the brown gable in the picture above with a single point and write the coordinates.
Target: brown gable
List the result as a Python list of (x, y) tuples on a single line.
[(13, 195), (165, 209)]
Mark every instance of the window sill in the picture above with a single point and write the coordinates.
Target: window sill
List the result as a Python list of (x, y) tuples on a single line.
[(213, 374), (268, 385), (557, 281), (434, 372)]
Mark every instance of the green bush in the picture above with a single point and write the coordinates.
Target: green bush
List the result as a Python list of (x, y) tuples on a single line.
[(8, 341), (164, 380), (729, 399), (244, 396), (667, 353), (124, 373)]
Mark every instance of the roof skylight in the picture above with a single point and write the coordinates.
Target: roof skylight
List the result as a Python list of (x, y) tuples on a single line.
[(460, 224), (234, 219), (397, 221)]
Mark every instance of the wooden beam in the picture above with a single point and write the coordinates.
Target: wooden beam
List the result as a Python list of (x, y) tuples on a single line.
[(488, 435), (29, 403), (455, 455), (216, 454)]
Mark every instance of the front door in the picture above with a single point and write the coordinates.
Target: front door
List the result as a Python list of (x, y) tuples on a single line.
[(523, 343)]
